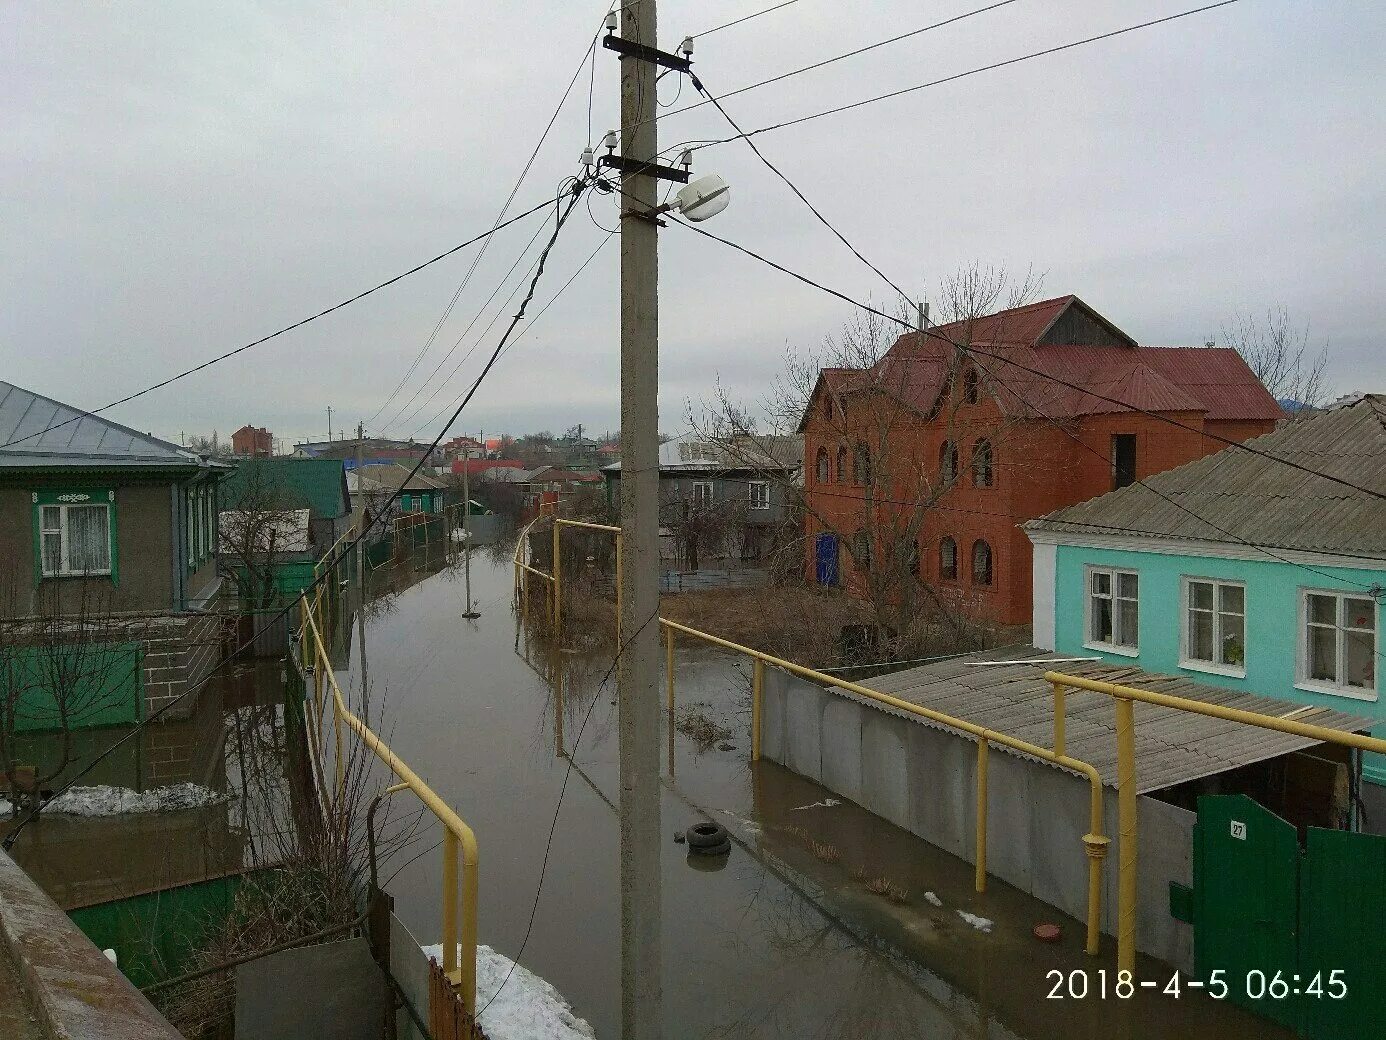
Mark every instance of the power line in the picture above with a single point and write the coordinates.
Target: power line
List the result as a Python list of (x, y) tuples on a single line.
[(288, 328), (956, 76), (524, 172), (403, 411), (552, 300), (842, 57), (329, 570), (794, 188), (743, 18), (979, 352)]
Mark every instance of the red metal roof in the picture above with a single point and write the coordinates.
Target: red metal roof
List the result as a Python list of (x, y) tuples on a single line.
[(1062, 381)]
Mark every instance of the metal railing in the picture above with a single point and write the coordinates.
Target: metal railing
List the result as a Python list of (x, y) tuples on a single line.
[(1095, 843), (458, 929), (1125, 697)]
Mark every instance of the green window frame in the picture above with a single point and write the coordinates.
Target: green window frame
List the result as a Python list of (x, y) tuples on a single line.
[(56, 531)]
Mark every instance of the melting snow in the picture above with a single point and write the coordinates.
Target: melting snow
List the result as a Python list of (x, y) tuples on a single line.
[(118, 801), (528, 1008), (826, 803), (979, 923), (935, 900)]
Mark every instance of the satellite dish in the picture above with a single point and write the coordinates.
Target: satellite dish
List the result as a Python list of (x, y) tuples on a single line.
[(705, 197)]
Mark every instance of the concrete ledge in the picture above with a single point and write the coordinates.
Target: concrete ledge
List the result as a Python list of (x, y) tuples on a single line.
[(76, 993)]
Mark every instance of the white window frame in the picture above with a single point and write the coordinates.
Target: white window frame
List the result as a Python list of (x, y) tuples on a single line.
[(61, 530), (759, 489), (1194, 664), (1088, 641), (1302, 639), (702, 494)]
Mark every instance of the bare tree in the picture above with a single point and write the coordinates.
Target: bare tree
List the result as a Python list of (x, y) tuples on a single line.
[(211, 446), (869, 412), (61, 671), (1279, 353), (255, 535)]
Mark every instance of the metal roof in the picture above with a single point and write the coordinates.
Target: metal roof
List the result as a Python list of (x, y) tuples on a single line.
[(38, 432), (1172, 746), (693, 453), (1235, 496), (318, 484)]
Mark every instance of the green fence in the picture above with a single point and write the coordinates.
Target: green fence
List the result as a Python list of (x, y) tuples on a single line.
[(104, 684), (154, 935), (1296, 934)]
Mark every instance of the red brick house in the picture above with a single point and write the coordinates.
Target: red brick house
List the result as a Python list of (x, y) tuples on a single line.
[(252, 442), (926, 462)]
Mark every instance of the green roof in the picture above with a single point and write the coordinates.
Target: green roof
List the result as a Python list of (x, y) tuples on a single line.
[(318, 485)]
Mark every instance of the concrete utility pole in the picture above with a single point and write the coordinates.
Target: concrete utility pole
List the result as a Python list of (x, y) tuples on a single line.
[(467, 529), (639, 664)]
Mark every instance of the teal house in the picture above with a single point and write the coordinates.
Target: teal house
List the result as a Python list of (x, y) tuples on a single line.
[(1237, 570)]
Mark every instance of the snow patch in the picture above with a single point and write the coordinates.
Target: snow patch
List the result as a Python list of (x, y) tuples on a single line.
[(528, 1007), (118, 801), (979, 923), (933, 899)]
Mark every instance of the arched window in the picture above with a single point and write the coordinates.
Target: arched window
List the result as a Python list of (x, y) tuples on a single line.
[(981, 463), (820, 468), (981, 563), (842, 464), (828, 406), (970, 395), (948, 558), (861, 550), (948, 462), (861, 465)]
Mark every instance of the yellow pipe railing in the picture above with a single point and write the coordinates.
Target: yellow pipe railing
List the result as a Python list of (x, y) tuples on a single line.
[(1095, 843), (457, 835), (1126, 696)]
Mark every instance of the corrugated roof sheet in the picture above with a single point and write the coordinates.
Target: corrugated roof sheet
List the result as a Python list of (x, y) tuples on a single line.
[(1234, 496), (27, 422), (393, 475), (317, 484), (691, 452), (1172, 746)]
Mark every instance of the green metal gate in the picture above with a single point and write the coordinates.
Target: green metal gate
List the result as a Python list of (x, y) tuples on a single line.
[(1246, 898), (1317, 917), (1343, 929)]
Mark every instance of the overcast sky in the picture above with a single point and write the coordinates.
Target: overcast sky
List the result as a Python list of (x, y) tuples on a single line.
[(178, 179)]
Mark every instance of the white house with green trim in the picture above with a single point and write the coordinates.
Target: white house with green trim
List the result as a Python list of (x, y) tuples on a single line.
[(95, 515), (1237, 570)]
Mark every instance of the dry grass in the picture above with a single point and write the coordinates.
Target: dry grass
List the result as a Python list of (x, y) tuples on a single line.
[(888, 889), (825, 851), (699, 728), (799, 623)]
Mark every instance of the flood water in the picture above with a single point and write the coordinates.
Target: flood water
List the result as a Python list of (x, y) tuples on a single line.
[(786, 939)]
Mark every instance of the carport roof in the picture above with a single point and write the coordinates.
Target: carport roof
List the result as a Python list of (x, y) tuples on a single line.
[(1172, 746)]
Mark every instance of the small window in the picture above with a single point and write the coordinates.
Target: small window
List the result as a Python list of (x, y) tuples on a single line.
[(74, 538), (948, 559), (820, 469), (1215, 625), (861, 551), (861, 465), (1123, 460), (981, 463), (702, 494), (842, 465), (1339, 651), (970, 395), (911, 554), (981, 563), (947, 462), (760, 494), (1114, 609), (828, 406)]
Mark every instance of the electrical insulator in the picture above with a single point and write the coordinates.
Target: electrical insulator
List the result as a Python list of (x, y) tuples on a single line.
[(611, 21), (686, 159), (586, 158), (687, 47), (610, 140)]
